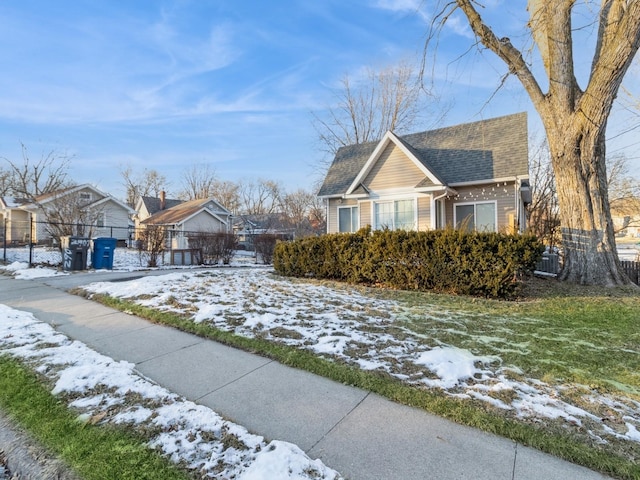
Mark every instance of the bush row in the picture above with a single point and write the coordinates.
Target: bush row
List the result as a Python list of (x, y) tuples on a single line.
[(451, 261), (213, 247)]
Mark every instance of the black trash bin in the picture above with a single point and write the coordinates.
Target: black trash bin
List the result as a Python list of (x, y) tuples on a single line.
[(102, 256), (74, 252)]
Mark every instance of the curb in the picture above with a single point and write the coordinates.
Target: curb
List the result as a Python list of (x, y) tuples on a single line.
[(25, 458)]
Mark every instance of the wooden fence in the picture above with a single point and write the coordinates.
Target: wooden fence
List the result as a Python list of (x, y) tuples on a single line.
[(632, 269), (549, 264)]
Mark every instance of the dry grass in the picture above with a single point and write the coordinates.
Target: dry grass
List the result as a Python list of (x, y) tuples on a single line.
[(540, 288)]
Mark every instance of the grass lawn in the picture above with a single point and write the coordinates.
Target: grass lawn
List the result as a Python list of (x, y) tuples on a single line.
[(582, 344), (94, 452)]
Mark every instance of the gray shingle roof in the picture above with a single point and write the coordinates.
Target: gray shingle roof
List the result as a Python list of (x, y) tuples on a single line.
[(470, 152), (153, 204)]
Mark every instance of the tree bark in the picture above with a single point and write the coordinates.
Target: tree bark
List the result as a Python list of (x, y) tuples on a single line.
[(588, 240)]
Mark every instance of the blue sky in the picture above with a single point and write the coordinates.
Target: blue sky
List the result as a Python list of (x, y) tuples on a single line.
[(167, 84)]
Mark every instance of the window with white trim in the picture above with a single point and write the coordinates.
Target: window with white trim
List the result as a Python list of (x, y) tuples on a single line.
[(395, 215), (348, 220), (480, 217), (101, 220)]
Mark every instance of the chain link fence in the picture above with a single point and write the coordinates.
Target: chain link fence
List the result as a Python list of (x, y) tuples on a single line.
[(145, 247)]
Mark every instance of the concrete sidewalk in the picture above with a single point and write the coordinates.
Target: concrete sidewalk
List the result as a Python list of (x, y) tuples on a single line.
[(360, 434)]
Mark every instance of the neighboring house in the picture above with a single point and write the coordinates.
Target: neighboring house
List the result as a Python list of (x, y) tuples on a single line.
[(16, 223), (83, 208), (246, 227), (181, 218), (147, 206), (625, 214), (474, 175)]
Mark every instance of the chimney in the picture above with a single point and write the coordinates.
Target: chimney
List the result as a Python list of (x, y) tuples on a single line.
[(163, 201)]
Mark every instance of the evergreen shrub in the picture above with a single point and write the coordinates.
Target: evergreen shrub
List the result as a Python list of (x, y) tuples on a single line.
[(448, 261)]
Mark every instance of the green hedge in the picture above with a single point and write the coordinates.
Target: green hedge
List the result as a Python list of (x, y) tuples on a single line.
[(451, 261)]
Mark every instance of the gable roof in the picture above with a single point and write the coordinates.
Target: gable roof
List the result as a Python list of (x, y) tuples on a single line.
[(267, 221), (408, 150), (185, 210), (152, 204), (45, 198), (11, 202), (472, 152)]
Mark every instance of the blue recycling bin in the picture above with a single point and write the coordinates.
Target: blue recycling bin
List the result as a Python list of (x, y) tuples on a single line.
[(102, 256)]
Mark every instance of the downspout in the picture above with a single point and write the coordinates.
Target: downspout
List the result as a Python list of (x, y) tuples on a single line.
[(516, 187), (326, 214), (434, 226)]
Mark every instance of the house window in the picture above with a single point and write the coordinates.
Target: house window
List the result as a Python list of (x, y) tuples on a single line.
[(85, 196), (480, 217), (348, 219), (395, 215), (102, 221), (439, 208)]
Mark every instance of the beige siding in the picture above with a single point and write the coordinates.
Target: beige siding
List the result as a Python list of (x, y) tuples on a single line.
[(365, 214), (503, 195), (203, 222), (332, 214), (424, 213), (393, 170), (18, 226)]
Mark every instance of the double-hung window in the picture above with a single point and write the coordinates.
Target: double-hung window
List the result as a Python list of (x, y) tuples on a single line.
[(395, 215), (480, 217), (348, 219)]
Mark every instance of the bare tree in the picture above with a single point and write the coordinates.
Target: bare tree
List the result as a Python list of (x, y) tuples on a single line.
[(66, 215), (574, 118), (544, 219), (151, 245), (31, 178), (5, 182), (318, 216), (365, 110), (198, 181), (260, 197), (544, 216), (142, 184), (298, 208), (227, 193)]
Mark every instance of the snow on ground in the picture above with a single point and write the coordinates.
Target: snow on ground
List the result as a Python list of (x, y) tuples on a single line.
[(104, 390), (364, 331), (124, 259), (21, 271)]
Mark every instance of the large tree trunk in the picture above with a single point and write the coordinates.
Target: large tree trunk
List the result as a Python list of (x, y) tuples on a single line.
[(588, 241), (575, 120)]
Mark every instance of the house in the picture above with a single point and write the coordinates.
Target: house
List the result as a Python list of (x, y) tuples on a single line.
[(246, 227), (181, 218), (625, 214), (77, 210), (147, 206), (16, 222), (473, 175)]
